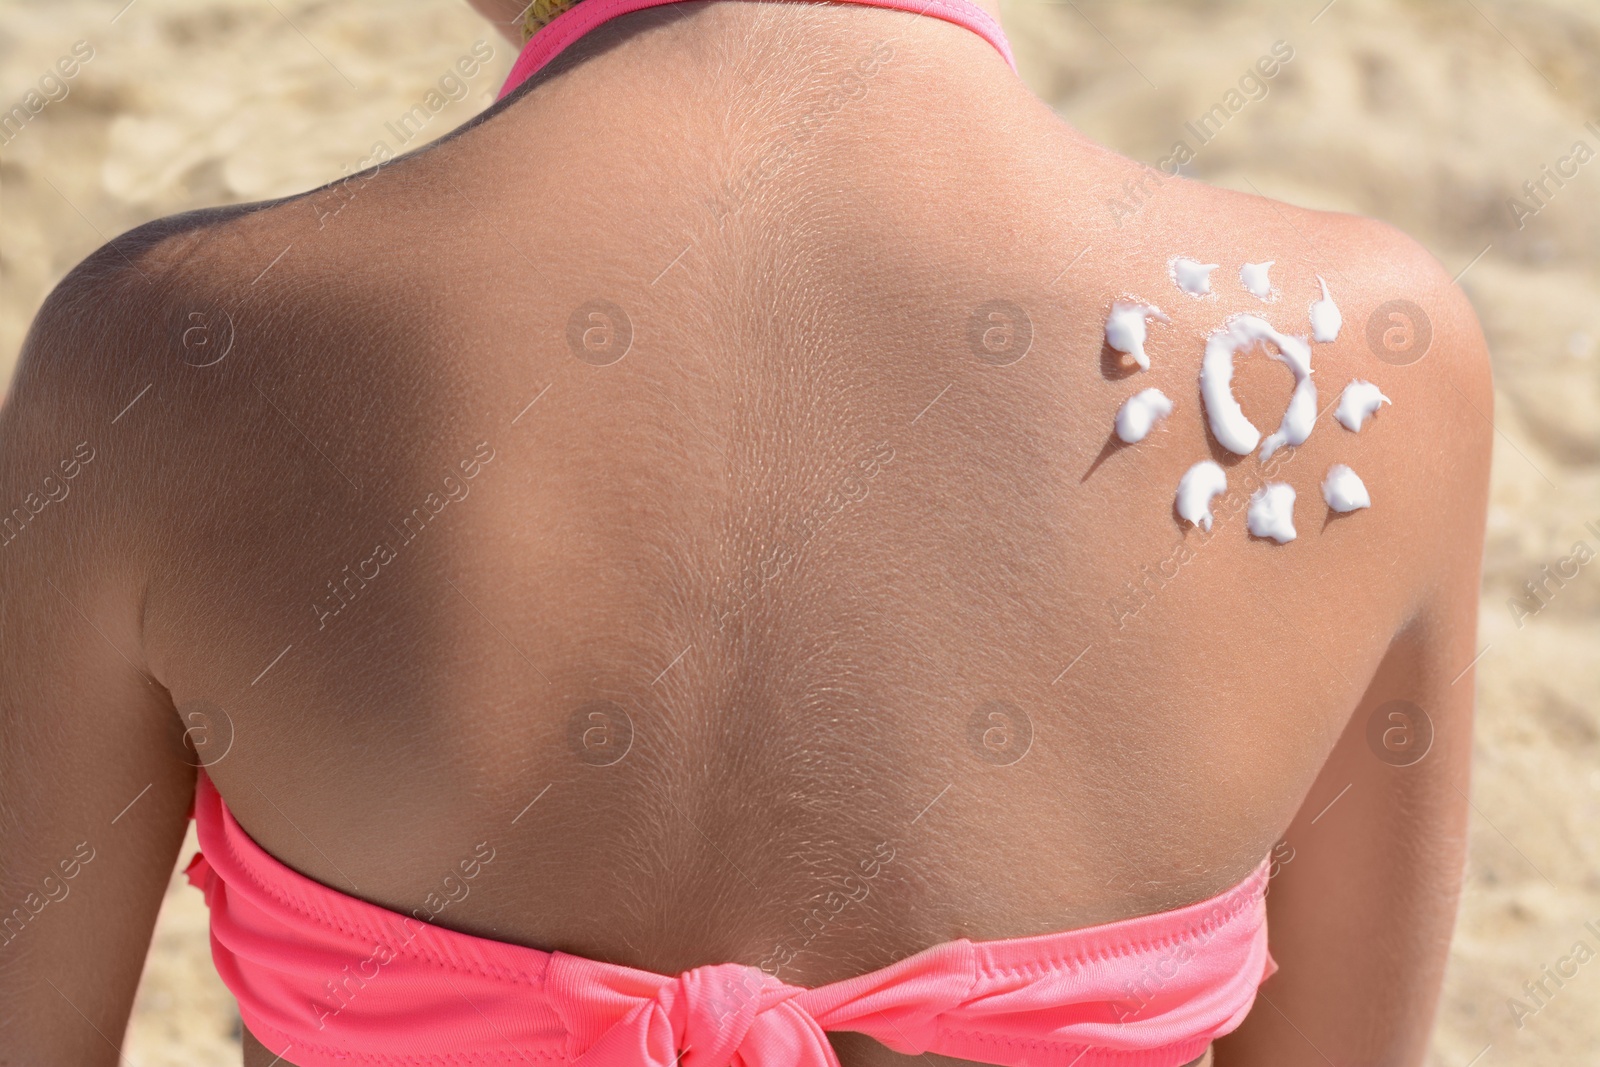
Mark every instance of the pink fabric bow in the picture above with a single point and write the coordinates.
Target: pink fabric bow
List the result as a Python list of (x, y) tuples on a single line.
[(721, 1016), (729, 1015)]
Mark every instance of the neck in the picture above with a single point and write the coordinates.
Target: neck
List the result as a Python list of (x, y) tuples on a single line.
[(948, 32), (507, 15)]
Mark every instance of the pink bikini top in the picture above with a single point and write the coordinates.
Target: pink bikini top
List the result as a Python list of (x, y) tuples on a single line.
[(328, 980)]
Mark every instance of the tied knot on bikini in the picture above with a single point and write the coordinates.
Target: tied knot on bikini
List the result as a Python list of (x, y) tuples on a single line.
[(714, 1016)]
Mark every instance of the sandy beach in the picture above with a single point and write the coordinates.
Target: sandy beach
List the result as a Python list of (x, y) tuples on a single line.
[(1446, 119)]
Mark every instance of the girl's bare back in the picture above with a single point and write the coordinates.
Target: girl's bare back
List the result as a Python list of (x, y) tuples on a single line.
[(693, 486)]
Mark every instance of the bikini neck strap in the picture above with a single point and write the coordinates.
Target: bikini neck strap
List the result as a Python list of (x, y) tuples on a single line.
[(555, 24)]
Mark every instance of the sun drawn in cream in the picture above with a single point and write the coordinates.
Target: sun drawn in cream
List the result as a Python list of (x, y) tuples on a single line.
[(1272, 507)]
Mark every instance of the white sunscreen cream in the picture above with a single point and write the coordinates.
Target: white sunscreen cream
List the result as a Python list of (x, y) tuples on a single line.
[(1253, 276), (1228, 423), (1359, 402), (1325, 317), (1200, 484), (1125, 329), (1344, 490), (1140, 412), (1192, 277), (1272, 512)]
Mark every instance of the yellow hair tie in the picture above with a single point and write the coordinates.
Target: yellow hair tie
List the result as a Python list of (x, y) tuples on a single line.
[(540, 14)]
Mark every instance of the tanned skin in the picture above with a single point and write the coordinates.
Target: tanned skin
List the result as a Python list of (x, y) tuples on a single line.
[(803, 532)]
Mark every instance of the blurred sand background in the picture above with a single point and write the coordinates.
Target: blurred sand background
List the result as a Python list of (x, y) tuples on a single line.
[(1426, 114)]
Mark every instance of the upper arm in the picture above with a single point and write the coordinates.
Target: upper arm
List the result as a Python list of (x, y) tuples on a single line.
[(1363, 902), (94, 789)]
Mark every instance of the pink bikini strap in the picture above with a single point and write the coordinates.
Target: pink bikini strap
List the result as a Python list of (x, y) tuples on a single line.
[(586, 15)]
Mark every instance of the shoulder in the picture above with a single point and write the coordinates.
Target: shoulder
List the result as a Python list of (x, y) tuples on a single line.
[(133, 304), (1406, 328), (1409, 330), (105, 319), (87, 413), (1402, 306)]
